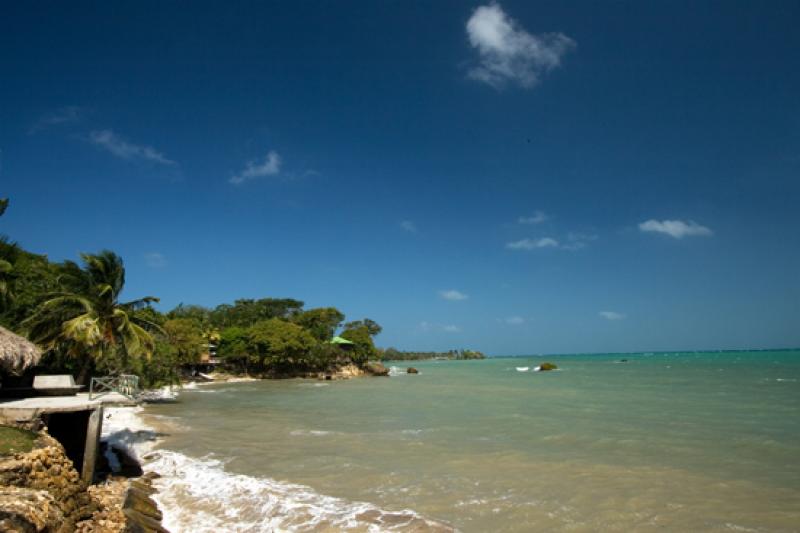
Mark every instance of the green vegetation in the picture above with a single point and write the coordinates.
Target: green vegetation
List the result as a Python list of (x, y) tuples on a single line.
[(73, 311), (391, 354), (15, 440), (85, 320)]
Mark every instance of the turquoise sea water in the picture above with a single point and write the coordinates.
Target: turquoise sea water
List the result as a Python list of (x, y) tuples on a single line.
[(666, 441)]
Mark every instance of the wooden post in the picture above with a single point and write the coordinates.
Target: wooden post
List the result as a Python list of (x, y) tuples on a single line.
[(94, 428)]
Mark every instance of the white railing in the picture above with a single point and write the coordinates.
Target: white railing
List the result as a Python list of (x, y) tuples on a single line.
[(125, 384)]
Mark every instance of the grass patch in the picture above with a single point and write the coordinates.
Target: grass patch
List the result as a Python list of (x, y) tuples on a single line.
[(14, 440)]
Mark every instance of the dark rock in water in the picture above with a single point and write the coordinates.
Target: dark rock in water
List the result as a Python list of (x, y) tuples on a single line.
[(139, 523), (129, 466), (376, 369), (142, 486), (141, 503), (623, 360), (547, 366), (412, 370)]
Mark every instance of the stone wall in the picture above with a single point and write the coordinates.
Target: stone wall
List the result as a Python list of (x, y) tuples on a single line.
[(40, 490)]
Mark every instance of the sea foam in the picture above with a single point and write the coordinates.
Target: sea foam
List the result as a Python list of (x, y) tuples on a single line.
[(198, 495)]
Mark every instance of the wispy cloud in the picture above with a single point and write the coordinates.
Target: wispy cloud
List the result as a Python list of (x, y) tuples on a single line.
[(532, 244), (408, 226), (578, 241), (270, 166), (118, 146), (509, 54), (611, 315), (448, 328), (513, 320), (155, 260), (64, 115), (453, 295), (677, 229), (537, 218), (572, 241)]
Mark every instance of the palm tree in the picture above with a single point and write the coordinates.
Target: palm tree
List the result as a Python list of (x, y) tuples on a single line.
[(6, 272), (7, 250), (87, 322)]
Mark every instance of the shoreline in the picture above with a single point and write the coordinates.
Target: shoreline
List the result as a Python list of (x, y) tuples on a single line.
[(199, 495)]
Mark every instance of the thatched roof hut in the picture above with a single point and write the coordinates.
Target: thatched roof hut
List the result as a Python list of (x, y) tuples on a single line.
[(17, 353)]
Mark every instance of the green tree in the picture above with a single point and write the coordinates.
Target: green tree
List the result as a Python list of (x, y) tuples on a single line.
[(233, 346), (86, 321), (279, 345), (246, 312), (186, 337), (9, 252), (364, 348), (30, 280), (149, 314), (321, 322), (372, 327), (233, 343), (198, 313), (161, 368)]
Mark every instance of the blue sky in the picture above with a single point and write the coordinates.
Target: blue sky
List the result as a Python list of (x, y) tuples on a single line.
[(516, 177)]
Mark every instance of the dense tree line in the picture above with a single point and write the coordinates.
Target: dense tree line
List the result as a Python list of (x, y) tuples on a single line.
[(391, 354), (74, 312)]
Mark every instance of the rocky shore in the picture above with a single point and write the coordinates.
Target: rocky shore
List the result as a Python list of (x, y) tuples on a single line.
[(348, 371), (41, 491)]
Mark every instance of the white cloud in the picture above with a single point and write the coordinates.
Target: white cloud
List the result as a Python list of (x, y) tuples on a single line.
[(155, 260), (453, 295), (611, 315), (532, 244), (578, 241), (123, 149), (64, 115), (508, 53), (514, 320), (676, 228), (448, 328), (271, 166), (409, 226), (537, 218)]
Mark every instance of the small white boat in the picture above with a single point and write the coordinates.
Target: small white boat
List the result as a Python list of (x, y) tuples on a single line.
[(522, 368)]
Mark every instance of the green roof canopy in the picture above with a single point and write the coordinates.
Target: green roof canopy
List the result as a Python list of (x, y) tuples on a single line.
[(340, 340)]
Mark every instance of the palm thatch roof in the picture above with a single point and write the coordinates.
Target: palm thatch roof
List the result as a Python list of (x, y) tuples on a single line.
[(17, 353)]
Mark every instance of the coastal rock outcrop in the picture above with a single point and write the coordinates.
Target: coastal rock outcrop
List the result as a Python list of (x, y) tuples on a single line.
[(547, 366), (374, 368), (412, 370), (40, 491), (24, 509)]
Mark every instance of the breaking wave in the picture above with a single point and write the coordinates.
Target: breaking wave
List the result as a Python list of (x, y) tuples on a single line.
[(197, 495)]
